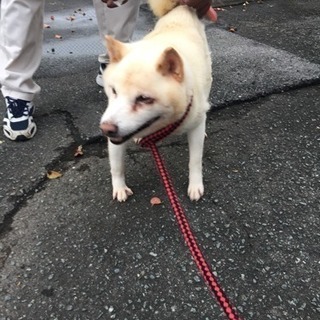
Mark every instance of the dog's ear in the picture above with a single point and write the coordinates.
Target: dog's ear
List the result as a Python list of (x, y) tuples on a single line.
[(116, 49), (171, 64)]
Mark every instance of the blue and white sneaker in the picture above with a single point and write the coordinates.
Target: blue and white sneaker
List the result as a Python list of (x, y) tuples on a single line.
[(99, 79), (18, 123)]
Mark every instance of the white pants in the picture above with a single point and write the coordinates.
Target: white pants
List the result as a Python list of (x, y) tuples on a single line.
[(21, 30), (117, 22), (21, 35)]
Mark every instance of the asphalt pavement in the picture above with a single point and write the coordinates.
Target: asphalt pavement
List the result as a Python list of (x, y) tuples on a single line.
[(68, 251)]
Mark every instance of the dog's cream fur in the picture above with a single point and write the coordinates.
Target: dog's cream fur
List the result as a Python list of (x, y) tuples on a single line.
[(149, 85)]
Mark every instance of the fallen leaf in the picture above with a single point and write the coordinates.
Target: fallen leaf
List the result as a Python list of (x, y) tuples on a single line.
[(46, 26), (52, 17), (71, 18), (155, 201), (58, 36), (53, 175), (79, 152), (232, 29)]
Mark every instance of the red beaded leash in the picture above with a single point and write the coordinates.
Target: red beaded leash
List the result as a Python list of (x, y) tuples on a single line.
[(150, 142)]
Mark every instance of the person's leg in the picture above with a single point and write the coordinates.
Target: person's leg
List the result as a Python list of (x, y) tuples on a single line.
[(21, 32), (118, 22)]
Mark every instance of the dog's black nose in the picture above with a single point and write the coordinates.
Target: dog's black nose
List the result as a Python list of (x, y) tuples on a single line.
[(109, 129)]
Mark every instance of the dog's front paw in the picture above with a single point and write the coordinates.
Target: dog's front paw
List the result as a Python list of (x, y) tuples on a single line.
[(121, 194), (195, 191)]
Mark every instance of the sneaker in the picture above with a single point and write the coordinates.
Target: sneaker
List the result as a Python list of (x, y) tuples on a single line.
[(18, 124), (99, 79)]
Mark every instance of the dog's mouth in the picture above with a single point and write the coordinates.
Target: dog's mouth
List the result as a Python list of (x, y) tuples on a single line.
[(120, 140)]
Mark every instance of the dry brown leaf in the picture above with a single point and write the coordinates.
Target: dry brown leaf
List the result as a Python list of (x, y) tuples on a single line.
[(58, 36), (71, 18), (155, 201), (53, 174), (46, 26), (79, 151)]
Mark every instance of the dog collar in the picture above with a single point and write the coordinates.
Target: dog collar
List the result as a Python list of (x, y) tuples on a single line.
[(164, 132)]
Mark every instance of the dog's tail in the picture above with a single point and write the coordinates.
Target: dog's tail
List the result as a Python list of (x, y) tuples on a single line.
[(162, 7)]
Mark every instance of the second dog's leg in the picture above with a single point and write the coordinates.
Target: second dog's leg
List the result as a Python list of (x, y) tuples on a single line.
[(116, 156), (196, 141)]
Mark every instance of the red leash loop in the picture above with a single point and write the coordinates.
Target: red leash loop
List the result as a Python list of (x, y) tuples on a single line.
[(203, 266), (153, 138)]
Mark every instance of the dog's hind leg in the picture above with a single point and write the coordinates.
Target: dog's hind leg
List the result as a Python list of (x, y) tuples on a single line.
[(116, 157), (196, 140)]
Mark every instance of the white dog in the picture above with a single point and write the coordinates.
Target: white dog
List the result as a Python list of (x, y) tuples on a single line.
[(151, 83)]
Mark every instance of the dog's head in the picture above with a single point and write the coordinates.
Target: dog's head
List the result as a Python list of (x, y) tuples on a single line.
[(147, 89)]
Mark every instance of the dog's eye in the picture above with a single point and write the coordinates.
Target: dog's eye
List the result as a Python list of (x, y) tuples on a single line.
[(113, 90), (144, 99)]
